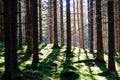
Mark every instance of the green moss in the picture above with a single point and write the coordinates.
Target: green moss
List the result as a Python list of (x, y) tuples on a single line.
[(53, 65)]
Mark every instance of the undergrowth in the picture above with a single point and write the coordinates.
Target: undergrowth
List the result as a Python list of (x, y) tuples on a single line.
[(52, 64)]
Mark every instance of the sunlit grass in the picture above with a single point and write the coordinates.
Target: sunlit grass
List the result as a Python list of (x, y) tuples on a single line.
[(52, 63)]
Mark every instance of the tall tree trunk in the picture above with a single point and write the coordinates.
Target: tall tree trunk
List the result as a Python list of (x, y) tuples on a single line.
[(111, 42), (55, 25), (116, 24), (82, 24), (20, 26), (68, 27), (1, 22), (78, 21), (91, 28), (119, 24), (75, 34), (88, 8), (62, 25), (29, 26), (100, 52), (51, 21), (40, 20), (10, 26), (35, 32)]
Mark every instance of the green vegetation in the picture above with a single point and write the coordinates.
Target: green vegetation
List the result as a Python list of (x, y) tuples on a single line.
[(52, 65)]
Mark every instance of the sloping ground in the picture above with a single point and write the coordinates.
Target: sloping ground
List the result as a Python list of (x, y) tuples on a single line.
[(52, 65)]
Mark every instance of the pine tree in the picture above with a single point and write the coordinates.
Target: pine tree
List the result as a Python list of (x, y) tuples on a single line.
[(100, 52), (10, 31), (35, 33), (111, 42)]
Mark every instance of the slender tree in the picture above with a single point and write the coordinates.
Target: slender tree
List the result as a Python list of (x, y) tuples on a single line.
[(62, 25), (68, 27), (40, 20), (75, 34), (78, 21), (51, 21), (35, 33), (29, 27), (119, 24), (100, 52), (82, 24), (91, 27), (88, 8), (20, 26), (55, 25), (1, 22), (111, 43)]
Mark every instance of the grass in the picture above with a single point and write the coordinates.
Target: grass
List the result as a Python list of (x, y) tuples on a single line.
[(52, 64)]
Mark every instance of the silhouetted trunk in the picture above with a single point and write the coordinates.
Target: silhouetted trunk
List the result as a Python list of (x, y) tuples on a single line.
[(111, 43), (1, 22), (55, 25), (100, 52), (10, 41), (68, 27), (62, 25), (91, 28), (29, 26), (35, 33), (20, 26), (40, 20)]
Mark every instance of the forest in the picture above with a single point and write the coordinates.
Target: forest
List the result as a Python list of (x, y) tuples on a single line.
[(59, 39)]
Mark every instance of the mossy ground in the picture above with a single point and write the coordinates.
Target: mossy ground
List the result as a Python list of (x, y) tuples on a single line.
[(52, 64)]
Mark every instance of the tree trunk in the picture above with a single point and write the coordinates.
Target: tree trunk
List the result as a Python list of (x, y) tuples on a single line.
[(75, 34), (111, 42), (62, 25), (82, 24), (1, 22), (10, 31), (35, 32), (20, 26), (51, 21), (91, 28), (55, 25), (78, 21), (100, 53), (68, 27), (29, 27), (119, 25), (40, 20)]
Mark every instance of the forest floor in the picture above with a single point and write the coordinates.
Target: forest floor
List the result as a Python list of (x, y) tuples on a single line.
[(52, 65)]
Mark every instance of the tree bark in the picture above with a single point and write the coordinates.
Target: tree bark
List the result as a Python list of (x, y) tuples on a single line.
[(62, 25), (10, 41), (55, 25), (68, 27), (111, 42), (40, 20), (35, 33)]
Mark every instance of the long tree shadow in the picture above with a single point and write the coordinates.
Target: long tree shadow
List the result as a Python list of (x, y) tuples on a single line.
[(69, 72), (26, 56), (91, 62), (108, 74), (48, 65)]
